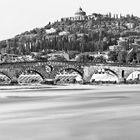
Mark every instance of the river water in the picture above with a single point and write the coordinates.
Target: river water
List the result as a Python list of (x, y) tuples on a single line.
[(70, 113)]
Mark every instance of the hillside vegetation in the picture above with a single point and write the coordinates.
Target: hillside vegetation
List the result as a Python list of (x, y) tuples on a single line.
[(93, 35)]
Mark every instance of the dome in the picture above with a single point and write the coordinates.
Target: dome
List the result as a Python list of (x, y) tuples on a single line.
[(80, 12)]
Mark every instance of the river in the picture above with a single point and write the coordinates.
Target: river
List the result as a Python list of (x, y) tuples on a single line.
[(106, 112)]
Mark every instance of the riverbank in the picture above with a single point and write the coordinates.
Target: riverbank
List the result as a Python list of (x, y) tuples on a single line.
[(55, 90), (67, 86)]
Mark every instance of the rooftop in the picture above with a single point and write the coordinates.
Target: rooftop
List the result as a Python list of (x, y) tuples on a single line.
[(80, 12)]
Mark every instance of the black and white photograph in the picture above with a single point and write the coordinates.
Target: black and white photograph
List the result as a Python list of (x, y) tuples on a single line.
[(69, 70)]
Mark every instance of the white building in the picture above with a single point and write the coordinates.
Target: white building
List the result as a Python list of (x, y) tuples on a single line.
[(65, 55), (80, 15), (50, 31)]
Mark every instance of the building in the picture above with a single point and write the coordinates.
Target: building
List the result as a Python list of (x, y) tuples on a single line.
[(64, 33), (130, 25), (79, 15), (50, 31), (56, 54), (122, 44)]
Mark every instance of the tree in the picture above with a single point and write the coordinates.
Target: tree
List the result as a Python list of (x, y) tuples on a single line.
[(83, 58), (113, 56), (138, 57), (131, 56), (100, 59), (122, 56)]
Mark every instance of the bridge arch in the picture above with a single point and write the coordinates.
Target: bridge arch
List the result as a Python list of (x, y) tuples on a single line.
[(6, 76), (65, 76), (69, 68), (39, 72), (106, 69), (104, 75), (30, 78), (133, 75)]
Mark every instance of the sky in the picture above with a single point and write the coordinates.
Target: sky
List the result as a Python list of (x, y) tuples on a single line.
[(17, 16)]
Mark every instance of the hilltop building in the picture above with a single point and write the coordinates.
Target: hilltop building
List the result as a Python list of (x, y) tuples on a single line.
[(80, 12), (79, 15)]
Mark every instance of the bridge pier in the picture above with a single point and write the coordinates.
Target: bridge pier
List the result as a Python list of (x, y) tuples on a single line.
[(14, 81), (122, 80)]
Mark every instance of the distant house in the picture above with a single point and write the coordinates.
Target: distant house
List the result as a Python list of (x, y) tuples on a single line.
[(122, 41), (55, 54), (50, 31), (130, 25), (116, 48), (122, 45), (95, 55), (64, 33), (9, 58), (104, 55)]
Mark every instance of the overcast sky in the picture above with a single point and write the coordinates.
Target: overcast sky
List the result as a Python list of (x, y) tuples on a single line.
[(17, 16)]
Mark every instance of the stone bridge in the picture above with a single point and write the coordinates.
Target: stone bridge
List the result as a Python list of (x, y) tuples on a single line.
[(48, 70), (121, 71)]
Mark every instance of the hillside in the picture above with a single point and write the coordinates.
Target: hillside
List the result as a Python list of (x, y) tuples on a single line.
[(92, 34)]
